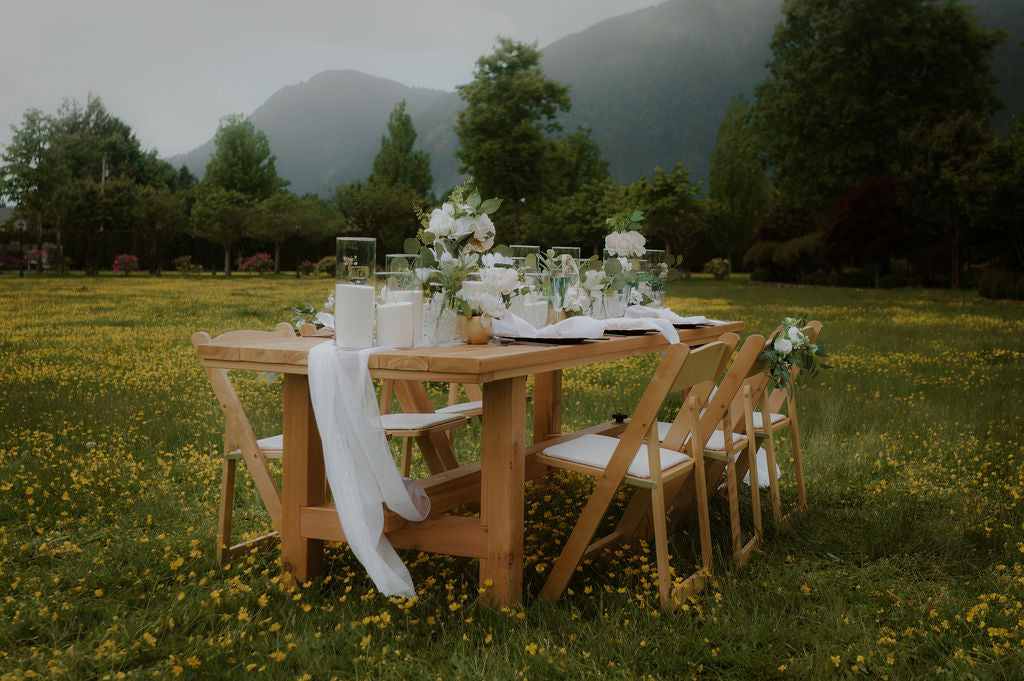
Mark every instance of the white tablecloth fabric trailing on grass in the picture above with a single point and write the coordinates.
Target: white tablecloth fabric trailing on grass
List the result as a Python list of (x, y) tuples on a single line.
[(360, 469)]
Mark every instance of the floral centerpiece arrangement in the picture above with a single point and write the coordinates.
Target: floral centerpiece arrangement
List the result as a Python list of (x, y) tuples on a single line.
[(789, 347), (625, 239)]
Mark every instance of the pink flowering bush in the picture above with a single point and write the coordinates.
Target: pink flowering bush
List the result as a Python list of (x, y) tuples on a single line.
[(261, 262), (126, 262)]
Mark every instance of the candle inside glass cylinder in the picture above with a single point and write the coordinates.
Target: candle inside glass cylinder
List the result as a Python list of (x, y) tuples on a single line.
[(536, 312), (415, 298), (353, 314), (395, 325)]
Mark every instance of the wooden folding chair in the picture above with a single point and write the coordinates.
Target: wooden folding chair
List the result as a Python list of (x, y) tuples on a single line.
[(240, 443), (771, 405), (636, 459), (409, 426)]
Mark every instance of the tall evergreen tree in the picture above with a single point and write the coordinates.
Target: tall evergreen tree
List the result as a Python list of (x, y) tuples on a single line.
[(396, 162), (739, 187)]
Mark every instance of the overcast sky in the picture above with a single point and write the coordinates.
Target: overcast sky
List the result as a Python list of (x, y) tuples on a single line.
[(172, 68)]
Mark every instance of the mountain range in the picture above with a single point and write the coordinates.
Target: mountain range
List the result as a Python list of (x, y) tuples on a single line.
[(653, 87)]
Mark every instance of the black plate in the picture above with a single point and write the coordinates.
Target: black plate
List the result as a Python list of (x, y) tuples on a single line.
[(629, 332), (692, 326), (543, 341)]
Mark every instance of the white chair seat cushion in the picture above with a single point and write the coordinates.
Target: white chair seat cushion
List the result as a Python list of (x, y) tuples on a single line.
[(415, 421), (272, 443), (759, 421), (462, 407), (715, 442), (596, 451)]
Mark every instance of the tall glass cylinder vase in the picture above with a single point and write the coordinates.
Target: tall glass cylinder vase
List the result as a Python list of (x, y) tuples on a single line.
[(354, 292), (657, 268), (440, 323)]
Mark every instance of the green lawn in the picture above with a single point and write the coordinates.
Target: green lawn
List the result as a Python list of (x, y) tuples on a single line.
[(909, 562)]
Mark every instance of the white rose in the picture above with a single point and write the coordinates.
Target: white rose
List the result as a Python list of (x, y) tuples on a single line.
[(464, 226), (594, 280), (784, 346), (441, 223), (798, 338), (636, 242)]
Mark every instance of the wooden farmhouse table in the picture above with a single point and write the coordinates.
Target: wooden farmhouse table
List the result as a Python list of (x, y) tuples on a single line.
[(496, 482)]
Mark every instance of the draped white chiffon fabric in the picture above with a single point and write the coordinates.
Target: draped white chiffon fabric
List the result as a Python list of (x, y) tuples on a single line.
[(360, 469)]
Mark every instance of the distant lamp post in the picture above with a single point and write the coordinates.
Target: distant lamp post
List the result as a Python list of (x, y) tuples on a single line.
[(159, 269), (297, 272)]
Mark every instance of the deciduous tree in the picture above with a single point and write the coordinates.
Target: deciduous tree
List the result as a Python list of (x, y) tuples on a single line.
[(847, 77), (511, 108)]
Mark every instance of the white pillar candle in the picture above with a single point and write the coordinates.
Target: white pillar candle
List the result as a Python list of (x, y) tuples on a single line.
[(414, 296), (536, 313), (471, 287), (353, 316), (517, 307), (394, 325)]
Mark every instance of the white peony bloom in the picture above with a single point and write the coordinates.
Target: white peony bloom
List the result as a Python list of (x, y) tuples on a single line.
[(492, 259), (595, 280), (441, 222), (483, 227), (636, 243), (616, 244), (499, 280), (784, 346)]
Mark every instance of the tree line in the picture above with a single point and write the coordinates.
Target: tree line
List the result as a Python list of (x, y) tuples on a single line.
[(866, 157)]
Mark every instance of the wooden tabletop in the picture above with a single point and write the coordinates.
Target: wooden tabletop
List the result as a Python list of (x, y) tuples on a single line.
[(473, 363)]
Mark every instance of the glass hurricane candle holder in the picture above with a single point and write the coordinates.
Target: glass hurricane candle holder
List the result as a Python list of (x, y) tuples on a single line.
[(354, 291)]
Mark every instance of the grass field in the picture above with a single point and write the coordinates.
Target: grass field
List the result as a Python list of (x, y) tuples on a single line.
[(908, 564)]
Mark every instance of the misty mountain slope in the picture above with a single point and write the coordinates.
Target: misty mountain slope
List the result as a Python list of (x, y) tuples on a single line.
[(653, 85)]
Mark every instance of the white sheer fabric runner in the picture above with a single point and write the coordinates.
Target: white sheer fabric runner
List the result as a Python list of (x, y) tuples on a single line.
[(642, 312), (579, 327), (360, 469)]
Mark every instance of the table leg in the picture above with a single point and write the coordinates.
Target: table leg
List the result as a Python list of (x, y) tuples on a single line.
[(503, 479), (303, 481), (547, 405)]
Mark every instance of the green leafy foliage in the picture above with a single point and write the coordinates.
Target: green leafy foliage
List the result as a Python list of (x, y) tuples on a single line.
[(510, 108), (847, 78)]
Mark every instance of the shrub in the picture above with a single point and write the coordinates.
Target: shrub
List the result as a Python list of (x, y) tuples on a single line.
[(1001, 284), (325, 265), (126, 262), (307, 267), (260, 262), (717, 266), (185, 265), (10, 262)]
